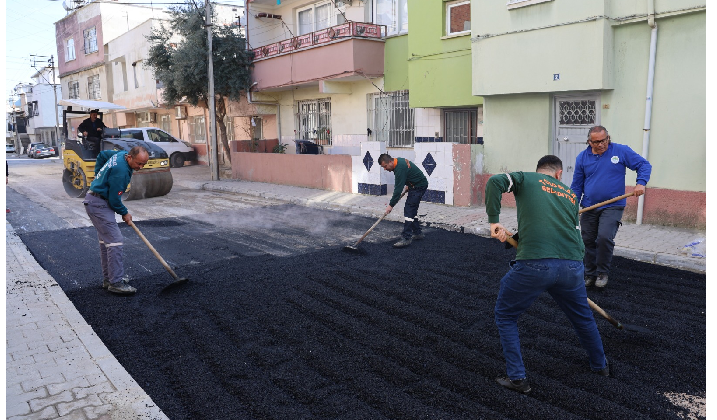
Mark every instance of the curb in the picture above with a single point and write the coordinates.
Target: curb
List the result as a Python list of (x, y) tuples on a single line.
[(657, 258), (129, 400)]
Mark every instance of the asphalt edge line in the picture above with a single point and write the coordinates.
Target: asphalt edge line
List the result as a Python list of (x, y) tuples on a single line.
[(127, 389)]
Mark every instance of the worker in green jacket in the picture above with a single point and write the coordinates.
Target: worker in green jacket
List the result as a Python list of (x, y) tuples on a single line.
[(113, 172), (407, 176)]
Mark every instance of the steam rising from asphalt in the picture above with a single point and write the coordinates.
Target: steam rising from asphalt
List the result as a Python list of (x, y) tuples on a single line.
[(316, 222)]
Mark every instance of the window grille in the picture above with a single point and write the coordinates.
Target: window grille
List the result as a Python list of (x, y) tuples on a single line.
[(165, 122), (197, 129), (74, 90), (577, 112), (461, 126), (390, 119), (93, 87), (229, 125), (90, 36), (313, 121)]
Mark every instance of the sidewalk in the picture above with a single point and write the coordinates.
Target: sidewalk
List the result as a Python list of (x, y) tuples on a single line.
[(56, 367), (653, 244)]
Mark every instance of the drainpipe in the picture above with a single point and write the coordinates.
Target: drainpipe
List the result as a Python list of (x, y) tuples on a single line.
[(276, 104), (648, 99)]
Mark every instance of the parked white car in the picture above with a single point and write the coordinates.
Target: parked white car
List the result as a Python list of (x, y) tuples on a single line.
[(178, 151)]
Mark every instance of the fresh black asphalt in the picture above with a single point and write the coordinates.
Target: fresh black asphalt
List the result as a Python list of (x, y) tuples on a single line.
[(277, 322)]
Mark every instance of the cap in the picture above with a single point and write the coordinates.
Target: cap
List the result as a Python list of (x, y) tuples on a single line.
[(94, 111)]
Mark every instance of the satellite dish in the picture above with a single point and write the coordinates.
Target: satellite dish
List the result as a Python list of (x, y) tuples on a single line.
[(65, 6)]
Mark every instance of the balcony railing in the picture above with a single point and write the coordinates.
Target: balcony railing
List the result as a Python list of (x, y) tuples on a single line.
[(324, 36)]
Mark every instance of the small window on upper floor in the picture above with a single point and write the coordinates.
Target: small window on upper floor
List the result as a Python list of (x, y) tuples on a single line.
[(393, 14), (90, 36), (458, 17), (514, 4), (70, 50)]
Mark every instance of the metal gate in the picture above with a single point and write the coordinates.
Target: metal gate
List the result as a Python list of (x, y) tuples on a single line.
[(574, 116)]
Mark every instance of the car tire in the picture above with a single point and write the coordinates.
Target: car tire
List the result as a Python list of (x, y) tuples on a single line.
[(176, 160)]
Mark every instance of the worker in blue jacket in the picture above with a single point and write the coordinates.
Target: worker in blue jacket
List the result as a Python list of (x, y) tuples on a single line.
[(599, 176), (113, 172)]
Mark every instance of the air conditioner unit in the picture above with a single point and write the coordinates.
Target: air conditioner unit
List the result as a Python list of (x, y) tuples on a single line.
[(180, 112)]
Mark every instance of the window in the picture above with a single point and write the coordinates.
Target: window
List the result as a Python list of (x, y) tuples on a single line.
[(93, 87), (70, 50), (315, 17), (197, 129), (313, 121), (74, 89), (165, 121), (132, 134), (390, 119), (461, 126), (35, 108), (393, 14), (90, 36), (458, 17), (229, 125)]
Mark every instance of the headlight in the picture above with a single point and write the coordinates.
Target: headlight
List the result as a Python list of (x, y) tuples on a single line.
[(163, 163), (187, 143)]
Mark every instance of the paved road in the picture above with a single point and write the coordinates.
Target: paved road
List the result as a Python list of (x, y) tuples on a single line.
[(41, 383)]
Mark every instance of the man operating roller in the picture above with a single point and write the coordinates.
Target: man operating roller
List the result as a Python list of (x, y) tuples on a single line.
[(407, 176), (113, 171), (549, 259)]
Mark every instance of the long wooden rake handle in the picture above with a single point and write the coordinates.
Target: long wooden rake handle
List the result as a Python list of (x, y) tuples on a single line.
[(612, 200), (592, 304), (154, 251), (377, 222)]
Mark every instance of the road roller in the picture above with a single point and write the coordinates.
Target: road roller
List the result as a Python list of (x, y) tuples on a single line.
[(79, 156)]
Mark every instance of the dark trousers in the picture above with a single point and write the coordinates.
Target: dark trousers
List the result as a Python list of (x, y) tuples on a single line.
[(598, 228), (410, 213), (563, 280)]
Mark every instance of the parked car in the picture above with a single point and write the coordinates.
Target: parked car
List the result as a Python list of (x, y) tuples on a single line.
[(178, 151), (9, 148), (40, 152), (31, 148)]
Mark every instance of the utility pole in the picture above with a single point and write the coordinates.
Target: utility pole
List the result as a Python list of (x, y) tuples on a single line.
[(57, 121), (214, 156)]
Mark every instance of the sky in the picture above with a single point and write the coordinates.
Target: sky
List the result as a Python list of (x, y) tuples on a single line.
[(29, 29)]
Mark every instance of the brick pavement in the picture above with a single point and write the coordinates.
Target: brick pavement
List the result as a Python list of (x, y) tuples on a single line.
[(56, 367)]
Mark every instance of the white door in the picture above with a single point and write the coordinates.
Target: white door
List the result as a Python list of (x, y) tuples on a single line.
[(574, 116)]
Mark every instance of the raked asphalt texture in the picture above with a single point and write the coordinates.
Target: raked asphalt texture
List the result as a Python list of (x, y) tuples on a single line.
[(56, 366)]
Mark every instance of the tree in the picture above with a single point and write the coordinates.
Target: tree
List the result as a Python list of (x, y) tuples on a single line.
[(178, 58)]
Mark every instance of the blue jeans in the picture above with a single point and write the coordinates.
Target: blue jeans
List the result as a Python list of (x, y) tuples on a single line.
[(411, 226), (528, 279)]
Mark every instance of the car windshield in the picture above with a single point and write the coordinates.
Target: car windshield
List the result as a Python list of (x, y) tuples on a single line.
[(159, 136)]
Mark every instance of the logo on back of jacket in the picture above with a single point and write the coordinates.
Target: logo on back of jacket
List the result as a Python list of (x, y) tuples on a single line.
[(615, 159), (111, 162)]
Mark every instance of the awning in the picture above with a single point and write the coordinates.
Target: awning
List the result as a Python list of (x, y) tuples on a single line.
[(86, 103)]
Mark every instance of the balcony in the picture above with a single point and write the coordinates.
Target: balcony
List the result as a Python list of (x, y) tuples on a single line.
[(347, 52)]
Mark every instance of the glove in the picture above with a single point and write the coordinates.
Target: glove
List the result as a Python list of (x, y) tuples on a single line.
[(507, 244)]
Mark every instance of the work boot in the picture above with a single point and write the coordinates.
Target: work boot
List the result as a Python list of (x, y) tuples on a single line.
[(589, 280), (121, 288), (520, 385), (604, 371), (601, 280), (418, 236), (403, 243)]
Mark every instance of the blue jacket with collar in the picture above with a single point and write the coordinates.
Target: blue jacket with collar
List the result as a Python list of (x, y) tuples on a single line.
[(599, 178)]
